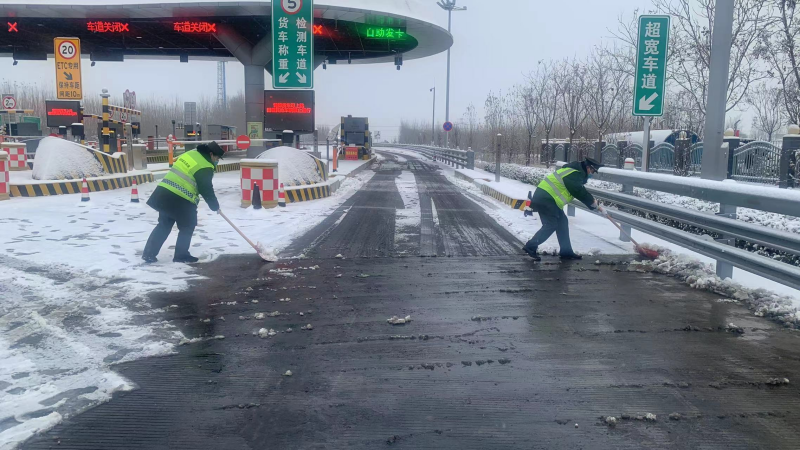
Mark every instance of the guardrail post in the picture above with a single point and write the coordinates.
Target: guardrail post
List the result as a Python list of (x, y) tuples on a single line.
[(788, 160), (733, 143), (626, 189), (725, 270), (470, 159)]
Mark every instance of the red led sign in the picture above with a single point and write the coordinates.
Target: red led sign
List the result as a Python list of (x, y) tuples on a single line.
[(62, 112), (289, 108), (318, 29), (195, 27), (12, 27), (107, 27)]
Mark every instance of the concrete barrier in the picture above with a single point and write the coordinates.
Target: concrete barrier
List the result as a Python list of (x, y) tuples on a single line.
[(17, 159), (261, 172), (4, 176)]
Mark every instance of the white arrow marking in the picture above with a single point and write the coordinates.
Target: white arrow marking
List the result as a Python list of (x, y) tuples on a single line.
[(646, 103), (302, 78), (284, 78)]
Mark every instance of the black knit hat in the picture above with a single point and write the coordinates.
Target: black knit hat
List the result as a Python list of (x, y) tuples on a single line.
[(212, 148), (589, 162)]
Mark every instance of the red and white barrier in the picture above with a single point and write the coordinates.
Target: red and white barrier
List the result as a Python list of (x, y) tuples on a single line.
[(4, 177), (261, 173), (17, 160)]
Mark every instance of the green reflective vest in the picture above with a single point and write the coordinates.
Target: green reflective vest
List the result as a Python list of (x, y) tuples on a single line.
[(554, 185), (180, 179)]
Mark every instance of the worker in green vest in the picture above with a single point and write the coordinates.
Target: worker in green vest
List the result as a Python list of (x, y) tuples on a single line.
[(552, 194), (176, 199)]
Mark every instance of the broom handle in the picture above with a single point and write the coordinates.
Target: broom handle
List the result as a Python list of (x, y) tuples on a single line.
[(238, 230), (621, 230)]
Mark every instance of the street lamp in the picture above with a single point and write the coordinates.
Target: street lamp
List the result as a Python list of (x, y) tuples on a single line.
[(433, 118), (449, 6)]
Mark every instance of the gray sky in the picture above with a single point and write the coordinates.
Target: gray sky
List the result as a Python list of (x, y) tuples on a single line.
[(493, 48)]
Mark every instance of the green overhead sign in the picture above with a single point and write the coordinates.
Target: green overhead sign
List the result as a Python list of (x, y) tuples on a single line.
[(651, 66), (293, 44)]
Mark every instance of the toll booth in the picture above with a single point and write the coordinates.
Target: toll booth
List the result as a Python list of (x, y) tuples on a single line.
[(220, 133)]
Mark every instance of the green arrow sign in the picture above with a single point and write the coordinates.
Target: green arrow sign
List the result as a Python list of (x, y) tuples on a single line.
[(651, 66), (293, 44)]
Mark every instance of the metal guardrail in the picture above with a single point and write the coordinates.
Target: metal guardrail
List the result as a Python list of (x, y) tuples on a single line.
[(730, 195), (460, 159)]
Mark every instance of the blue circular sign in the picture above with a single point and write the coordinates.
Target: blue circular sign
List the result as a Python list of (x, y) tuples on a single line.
[(448, 126)]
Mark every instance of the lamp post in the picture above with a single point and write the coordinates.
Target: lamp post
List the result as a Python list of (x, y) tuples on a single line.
[(433, 119), (449, 6)]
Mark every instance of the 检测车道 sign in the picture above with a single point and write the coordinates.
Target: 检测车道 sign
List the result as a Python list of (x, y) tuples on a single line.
[(292, 44), (651, 66)]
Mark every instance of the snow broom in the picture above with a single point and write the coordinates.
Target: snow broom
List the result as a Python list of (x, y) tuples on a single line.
[(258, 247), (645, 252)]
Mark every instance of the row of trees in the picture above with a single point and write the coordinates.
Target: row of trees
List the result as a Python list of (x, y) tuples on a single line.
[(586, 99), (156, 111)]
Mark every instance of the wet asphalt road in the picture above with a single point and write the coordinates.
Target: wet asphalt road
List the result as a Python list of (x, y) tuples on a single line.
[(501, 353)]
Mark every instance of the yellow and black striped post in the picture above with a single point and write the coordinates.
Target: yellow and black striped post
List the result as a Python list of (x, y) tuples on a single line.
[(106, 137)]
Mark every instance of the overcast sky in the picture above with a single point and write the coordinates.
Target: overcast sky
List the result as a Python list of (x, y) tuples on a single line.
[(495, 43)]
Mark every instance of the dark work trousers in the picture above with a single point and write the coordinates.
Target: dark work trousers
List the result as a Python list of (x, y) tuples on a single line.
[(186, 224), (553, 220)]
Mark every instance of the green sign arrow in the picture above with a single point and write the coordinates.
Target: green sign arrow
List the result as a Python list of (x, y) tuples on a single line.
[(651, 66), (293, 44)]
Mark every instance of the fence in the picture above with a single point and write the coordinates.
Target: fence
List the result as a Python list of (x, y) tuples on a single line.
[(463, 159), (730, 197), (753, 162)]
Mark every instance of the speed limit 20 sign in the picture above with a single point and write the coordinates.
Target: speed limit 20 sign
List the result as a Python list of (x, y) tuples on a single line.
[(68, 69), (9, 102)]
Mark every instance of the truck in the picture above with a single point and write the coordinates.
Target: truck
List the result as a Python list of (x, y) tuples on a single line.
[(355, 133)]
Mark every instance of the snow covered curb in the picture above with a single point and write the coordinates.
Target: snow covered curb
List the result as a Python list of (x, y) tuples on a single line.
[(699, 275), (106, 183)]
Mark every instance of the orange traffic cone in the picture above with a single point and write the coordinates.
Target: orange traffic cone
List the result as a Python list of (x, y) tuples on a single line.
[(282, 197), (85, 191), (135, 193)]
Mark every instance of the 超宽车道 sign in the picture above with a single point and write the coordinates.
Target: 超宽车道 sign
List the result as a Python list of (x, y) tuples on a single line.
[(292, 44), (651, 66)]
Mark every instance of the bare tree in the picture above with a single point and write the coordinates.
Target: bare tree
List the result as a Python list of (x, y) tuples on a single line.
[(546, 95), (766, 103), (494, 115), (691, 44), (525, 109), (572, 84), (780, 47), (471, 119), (605, 88)]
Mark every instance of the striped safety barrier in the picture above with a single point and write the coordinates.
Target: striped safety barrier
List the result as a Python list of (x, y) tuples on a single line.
[(49, 188), (512, 202)]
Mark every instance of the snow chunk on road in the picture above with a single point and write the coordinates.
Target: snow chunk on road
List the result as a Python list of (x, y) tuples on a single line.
[(394, 320), (295, 168)]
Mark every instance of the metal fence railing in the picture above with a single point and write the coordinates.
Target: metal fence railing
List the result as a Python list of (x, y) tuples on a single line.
[(460, 159), (725, 225)]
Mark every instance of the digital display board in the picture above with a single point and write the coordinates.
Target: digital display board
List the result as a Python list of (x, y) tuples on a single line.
[(289, 110), (63, 113)]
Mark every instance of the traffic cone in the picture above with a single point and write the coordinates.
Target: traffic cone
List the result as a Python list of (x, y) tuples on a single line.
[(282, 197), (85, 191), (135, 193), (256, 197)]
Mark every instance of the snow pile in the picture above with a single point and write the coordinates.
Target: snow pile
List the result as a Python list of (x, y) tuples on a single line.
[(58, 159), (698, 275), (529, 175), (295, 168)]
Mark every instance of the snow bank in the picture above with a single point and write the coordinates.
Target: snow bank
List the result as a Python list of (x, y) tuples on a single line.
[(295, 168), (59, 159), (698, 275)]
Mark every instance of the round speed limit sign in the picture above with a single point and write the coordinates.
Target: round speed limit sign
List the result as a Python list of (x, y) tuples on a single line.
[(67, 50), (291, 6), (9, 102)]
